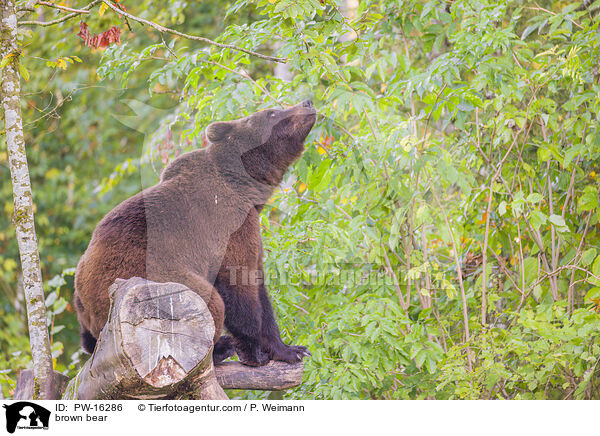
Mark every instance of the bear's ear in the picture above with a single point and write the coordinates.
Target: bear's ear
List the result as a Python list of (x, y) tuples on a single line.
[(216, 131)]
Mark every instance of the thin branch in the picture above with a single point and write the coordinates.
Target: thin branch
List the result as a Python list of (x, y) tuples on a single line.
[(413, 111), (27, 8), (191, 37), (484, 260), (63, 8), (554, 247), (301, 309), (162, 37), (496, 175), (458, 273), (539, 8), (370, 124), (570, 193), (62, 19), (486, 235), (522, 262), (391, 272), (340, 126), (454, 246), (536, 236), (562, 268), (426, 261), (571, 291), (506, 272)]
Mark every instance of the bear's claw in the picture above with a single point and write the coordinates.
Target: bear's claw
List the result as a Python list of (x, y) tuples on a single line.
[(290, 353)]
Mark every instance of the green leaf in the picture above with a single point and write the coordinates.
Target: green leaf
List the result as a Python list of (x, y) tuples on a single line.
[(421, 355), (431, 365), (448, 172), (593, 293), (530, 267), (570, 154), (589, 200), (502, 208), (534, 198), (537, 219), (588, 256), (6, 60), (528, 31), (24, 72), (537, 292), (56, 282), (517, 204), (558, 222), (59, 306), (596, 272), (528, 169), (321, 178)]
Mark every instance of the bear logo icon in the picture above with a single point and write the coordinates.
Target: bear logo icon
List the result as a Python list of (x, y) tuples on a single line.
[(26, 415)]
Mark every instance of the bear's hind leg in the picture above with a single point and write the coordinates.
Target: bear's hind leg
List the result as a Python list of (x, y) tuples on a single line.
[(271, 338), (223, 349), (243, 320)]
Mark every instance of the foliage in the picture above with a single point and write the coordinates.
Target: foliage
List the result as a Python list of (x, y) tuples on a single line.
[(438, 238)]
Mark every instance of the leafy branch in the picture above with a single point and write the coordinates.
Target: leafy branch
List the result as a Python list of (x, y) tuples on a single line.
[(164, 29)]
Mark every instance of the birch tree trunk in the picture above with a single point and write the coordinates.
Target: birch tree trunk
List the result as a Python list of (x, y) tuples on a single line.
[(23, 204)]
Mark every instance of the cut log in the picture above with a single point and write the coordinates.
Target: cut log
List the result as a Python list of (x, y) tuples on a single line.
[(157, 344), (276, 376)]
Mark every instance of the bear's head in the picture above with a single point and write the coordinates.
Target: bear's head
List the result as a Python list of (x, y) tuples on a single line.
[(267, 142)]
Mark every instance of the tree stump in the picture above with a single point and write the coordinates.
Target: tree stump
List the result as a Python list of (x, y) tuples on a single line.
[(157, 344)]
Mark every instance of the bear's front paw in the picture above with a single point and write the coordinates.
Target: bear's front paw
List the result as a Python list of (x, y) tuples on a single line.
[(290, 353)]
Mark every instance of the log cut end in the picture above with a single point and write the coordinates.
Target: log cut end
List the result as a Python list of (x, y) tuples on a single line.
[(157, 343), (166, 330)]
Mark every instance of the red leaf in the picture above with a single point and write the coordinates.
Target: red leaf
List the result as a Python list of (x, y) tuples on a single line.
[(104, 39)]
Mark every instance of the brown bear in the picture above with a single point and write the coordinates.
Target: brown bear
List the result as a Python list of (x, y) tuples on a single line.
[(199, 226)]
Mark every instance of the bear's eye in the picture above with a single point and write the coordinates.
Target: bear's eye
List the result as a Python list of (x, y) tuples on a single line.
[(272, 114)]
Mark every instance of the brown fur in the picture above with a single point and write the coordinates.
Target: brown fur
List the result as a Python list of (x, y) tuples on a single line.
[(199, 226)]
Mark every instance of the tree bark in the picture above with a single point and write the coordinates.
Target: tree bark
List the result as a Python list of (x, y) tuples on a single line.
[(23, 204)]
